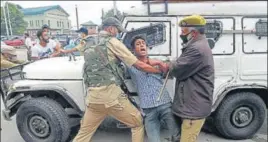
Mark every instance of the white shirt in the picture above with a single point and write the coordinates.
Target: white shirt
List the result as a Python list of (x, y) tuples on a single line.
[(28, 42), (40, 51)]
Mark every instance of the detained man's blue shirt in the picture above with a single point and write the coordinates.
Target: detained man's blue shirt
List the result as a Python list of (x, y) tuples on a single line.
[(148, 88)]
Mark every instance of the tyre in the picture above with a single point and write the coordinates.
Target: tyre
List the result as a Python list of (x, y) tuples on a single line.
[(240, 116), (42, 120)]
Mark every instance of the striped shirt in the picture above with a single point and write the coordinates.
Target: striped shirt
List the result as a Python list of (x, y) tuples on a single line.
[(148, 88)]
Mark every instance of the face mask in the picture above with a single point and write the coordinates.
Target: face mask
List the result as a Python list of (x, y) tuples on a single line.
[(118, 36), (186, 38)]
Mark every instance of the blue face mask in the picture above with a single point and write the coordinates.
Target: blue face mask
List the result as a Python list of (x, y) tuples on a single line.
[(118, 36)]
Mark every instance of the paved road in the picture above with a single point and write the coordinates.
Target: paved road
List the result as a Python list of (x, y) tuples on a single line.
[(10, 133)]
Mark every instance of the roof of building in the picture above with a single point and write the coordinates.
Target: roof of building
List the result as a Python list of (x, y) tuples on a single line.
[(41, 10), (89, 23)]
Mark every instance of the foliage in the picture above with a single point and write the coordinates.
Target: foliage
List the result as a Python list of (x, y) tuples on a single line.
[(16, 18)]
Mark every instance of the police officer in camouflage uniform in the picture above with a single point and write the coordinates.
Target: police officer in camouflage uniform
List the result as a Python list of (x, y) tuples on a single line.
[(103, 77), (85, 38)]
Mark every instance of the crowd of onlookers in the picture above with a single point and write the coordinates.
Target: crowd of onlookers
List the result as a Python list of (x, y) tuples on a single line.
[(41, 46)]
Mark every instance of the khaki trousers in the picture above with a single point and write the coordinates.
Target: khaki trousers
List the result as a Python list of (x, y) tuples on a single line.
[(190, 129), (122, 110)]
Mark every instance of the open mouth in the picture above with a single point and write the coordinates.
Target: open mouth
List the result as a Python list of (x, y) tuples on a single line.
[(143, 50)]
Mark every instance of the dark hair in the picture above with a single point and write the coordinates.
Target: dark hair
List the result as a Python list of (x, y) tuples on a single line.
[(26, 34), (135, 39), (45, 27), (39, 33)]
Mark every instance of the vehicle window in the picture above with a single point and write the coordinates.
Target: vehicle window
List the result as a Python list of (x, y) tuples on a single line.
[(214, 29), (261, 28), (153, 34), (255, 42), (220, 42), (156, 34)]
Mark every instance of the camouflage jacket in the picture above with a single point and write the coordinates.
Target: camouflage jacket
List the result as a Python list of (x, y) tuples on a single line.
[(98, 70)]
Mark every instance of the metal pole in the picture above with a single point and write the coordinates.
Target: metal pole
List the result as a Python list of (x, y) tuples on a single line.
[(5, 16), (163, 87), (9, 19), (77, 24), (102, 14), (115, 12)]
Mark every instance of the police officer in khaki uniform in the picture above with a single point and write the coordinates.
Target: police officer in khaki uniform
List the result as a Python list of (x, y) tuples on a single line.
[(8, 57), (194, 72), (105, 97), (84, 38)]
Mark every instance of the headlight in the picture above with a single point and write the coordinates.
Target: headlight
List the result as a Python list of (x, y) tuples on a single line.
[(11, 88)]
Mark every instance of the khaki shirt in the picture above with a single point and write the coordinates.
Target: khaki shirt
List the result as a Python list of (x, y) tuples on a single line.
[(81, 45), (109, 95)]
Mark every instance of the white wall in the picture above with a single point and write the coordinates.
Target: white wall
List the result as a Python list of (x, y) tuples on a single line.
[(58, 19), (37, 21)]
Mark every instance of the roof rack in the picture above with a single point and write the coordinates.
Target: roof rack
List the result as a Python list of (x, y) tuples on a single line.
[(149, 2)]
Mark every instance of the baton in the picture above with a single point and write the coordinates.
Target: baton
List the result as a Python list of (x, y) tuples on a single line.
[(163, 87)]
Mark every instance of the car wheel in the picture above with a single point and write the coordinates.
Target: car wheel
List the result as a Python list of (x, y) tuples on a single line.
[(43, 120), (240, 116)]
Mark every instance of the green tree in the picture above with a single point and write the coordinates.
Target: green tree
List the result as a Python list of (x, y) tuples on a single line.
[(110, 13), (16, 19)]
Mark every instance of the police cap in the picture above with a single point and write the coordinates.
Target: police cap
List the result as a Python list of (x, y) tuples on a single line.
[(193, 21), (82, 30)]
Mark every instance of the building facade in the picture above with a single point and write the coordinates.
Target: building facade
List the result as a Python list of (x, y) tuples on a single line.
[(54, 16)]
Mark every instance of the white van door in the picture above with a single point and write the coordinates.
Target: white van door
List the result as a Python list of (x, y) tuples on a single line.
[(254, 50), (162, 44), (223, 49)]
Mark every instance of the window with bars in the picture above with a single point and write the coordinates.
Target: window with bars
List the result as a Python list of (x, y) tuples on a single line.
[(261, 28), (153, 34), (213, 29)]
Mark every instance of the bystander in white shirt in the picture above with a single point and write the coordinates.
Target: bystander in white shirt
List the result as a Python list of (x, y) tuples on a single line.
[(28, 42), (43, 52)]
